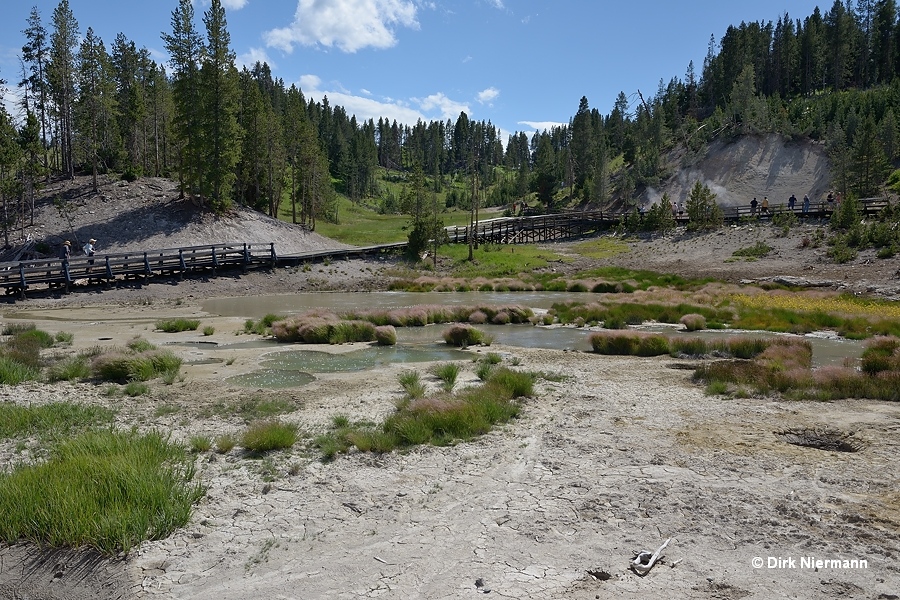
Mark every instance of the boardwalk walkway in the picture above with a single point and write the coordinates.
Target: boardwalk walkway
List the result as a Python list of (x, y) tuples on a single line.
[(18, 277)]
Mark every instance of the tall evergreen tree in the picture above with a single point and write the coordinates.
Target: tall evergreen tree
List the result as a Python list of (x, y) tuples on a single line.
[(219, 96), (868, 163), (185, 46), (10, 154), (96, 101), (36, 55), (61, 70)]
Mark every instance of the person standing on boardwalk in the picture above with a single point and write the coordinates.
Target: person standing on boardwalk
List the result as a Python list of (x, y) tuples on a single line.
[(753, 205), (765, 205), (88, 250), (791, 202), (65, 251), (805, 203)]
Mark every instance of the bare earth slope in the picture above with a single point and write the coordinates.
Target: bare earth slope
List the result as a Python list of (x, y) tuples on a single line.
[(751, 166), (147, 214)]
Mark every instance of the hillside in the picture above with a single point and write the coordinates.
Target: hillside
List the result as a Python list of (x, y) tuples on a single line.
[(751, 166), (148, 214)]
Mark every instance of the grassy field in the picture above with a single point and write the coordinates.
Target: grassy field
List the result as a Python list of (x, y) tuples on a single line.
[(359, 225)]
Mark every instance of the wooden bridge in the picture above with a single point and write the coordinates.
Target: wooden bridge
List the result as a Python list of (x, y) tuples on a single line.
[(573, 224), (18, 277)]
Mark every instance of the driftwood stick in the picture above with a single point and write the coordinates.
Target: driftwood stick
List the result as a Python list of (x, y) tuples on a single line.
[(642, 569)]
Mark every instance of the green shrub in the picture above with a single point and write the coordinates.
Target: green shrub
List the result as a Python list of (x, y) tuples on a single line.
[(881, 354), (177, 325), (25, 349), (746, 347), (64, 337), (447, 373), (483, 370), (209, 330), (463, 335), (136, 388), (139, 344), (12, 327), (122, 368), (386, 335), (614, 343), (652, 345), (72, 368), (842, 253), (516, 383), (411, 382), (56, 418), (13, 372), (758, 250), (492, 358), (693, 322), (269, 435), (615, 322), (225, 443), (681, 346), (104, 489), (201, 443)]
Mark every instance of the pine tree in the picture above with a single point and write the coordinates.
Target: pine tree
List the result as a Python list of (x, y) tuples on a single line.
[(10, 154), (221, 134), (582, 145), (130, 97), (95, 107), (185, 48), (702, 209), (61, 70), (868, 164), (545, 180), (36, 54)]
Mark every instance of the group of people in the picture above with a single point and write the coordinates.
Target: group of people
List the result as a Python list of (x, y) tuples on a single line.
[(65, 250), (792, 204)]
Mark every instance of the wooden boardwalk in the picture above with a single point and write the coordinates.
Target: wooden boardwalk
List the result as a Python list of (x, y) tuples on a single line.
[(573, 224), (19, 277)]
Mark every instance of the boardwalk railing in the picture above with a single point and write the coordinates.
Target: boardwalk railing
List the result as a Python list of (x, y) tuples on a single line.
[(18, 277)]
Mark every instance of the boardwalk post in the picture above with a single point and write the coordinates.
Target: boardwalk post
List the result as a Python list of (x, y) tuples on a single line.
[(109, 274), (66, 275), (274, 257), (23, 284), (147, 269)]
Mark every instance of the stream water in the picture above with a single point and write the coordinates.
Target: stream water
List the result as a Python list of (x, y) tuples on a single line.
[(420, 344)]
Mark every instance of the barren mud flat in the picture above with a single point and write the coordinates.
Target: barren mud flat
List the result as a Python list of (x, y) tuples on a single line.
[(615, 457)]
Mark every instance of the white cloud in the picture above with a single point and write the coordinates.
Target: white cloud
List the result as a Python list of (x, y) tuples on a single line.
[(433, 107), (542, 125), (309, 83), (488, 95), (448, 108), (496, 3), (347, 24), (252, 56)]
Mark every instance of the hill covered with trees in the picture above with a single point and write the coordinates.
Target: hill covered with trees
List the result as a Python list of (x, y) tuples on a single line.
[(243, 136)]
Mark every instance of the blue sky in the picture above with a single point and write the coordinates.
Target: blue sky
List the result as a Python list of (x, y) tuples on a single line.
[(521, 64)]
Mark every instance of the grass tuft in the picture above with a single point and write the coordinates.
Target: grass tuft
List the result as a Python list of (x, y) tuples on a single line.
[(265, 436), (177, 325), (103, 489)]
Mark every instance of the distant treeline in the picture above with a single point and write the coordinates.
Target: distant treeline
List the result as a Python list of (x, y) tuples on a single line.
[(230, 135)]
